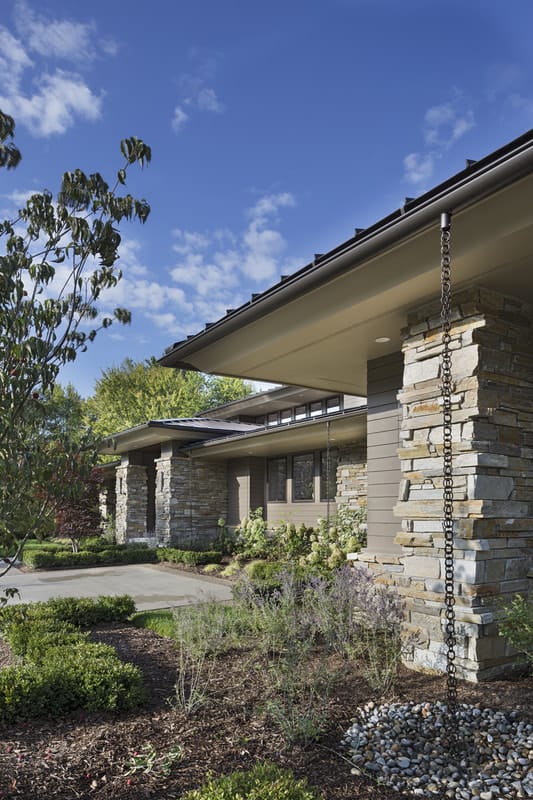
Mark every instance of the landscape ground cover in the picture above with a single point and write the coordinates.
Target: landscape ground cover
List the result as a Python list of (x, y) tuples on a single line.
[(161, 751)]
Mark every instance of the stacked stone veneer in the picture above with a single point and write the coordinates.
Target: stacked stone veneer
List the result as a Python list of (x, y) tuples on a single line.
[(131, 501), (492, 344), (191, 496), (351, 476)]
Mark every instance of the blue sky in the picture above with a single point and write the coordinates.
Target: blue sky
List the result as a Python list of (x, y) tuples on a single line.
[(276, 128)]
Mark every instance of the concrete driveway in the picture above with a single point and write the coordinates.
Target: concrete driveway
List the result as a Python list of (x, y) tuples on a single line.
[(150, 585)]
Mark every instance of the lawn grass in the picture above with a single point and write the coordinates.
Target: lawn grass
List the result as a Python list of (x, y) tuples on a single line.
[(160, 620)]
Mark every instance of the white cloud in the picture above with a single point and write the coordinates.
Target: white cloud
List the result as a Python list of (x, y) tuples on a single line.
[(19, 198), (167, 322), (55, 38), (208, 101), (188, 241), (54, 107), (13, 61), (195, 94), (445, 124), (45, 99), (418, 169), (269, 204), (179, 119), (215, 267)]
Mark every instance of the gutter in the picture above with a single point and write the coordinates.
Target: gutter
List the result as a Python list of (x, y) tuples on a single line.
[(483, 178)]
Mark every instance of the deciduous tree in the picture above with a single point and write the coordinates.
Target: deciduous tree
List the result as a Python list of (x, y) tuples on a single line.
[(137, 391), (57, 257)]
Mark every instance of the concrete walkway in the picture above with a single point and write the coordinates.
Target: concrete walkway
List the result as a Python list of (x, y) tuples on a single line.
[(150, 585)]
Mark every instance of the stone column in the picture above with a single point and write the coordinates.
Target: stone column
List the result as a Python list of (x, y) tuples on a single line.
[(191, 496), (492, 421), (131, 501)]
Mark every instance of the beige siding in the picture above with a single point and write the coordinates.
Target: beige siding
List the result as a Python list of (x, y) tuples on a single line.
[(246, 487), (257, 483), (305, 512), (385, 376), (238, 490)]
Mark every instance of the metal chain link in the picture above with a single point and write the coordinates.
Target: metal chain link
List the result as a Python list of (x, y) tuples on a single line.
[(447, 523)]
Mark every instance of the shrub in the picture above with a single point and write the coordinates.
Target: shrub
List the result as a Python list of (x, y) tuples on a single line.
[(361, 620), (68, 679), (262, 782), (62, 670), (263, 570), (192, 558), (251, 539), (107, 554), (290, 542), (78, 611), (517, 625), (29, 641)]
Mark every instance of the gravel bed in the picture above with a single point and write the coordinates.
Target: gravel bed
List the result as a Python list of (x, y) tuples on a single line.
[(408, 747)]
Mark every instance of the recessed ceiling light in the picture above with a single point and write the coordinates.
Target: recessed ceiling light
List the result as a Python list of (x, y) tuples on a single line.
[(383, 339)]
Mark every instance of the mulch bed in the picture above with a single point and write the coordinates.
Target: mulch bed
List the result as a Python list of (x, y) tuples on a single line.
[(85, 755)]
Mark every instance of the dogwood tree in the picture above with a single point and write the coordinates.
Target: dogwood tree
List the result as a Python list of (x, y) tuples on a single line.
[(57, 258)]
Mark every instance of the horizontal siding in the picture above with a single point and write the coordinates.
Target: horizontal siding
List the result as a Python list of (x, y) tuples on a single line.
[(383, 437), (257, 483), (306, 513), (238, 490)]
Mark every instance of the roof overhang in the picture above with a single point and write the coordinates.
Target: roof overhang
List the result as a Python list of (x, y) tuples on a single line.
[(267, 402), (155, 432), (344, 428), (319, 327)]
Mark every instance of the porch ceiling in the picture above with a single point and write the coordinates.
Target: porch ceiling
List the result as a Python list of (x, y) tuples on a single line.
[(323, 334), (311, 435)]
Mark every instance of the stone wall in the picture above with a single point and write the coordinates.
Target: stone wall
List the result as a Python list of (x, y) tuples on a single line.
[(191, 496), (492, 421), (351, 476)]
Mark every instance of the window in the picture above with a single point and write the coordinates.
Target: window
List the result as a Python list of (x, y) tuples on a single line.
[(333, 404), (277, 480), (315, 409), (300, 412), (286, 416), (303, 477), (273, 419), (328, 475)]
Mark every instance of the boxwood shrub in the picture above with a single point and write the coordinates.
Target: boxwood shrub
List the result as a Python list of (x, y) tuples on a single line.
[(109, 554), (62, 670), (192, 558), (83, 612), (66, 680)]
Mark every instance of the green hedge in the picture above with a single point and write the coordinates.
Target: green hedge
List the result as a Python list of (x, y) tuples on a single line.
[(62, 670), (110, 554), (81, 612), (69, 678), (192, 558), (262, 782)]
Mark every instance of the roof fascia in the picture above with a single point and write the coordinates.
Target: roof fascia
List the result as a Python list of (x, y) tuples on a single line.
[(483, 178)]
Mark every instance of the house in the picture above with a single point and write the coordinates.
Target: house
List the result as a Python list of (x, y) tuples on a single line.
[(364, 319), (296, 453)]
